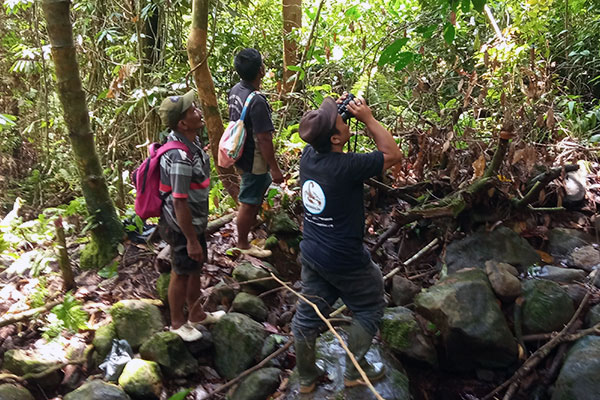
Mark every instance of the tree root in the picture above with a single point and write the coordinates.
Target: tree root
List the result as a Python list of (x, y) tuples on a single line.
[(41, 374)]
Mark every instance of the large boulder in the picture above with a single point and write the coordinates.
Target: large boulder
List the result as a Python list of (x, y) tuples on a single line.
[(502, 245), (547, 306), (578, 378), (238, 340), (141, 379), (259, 385), (21, 362), (251, 305), (168, 350), (401, 331), (97, 390), (562, 241), (102, 342), (593, 316), (282, 223), (465, 310), (136, 320), (8, 391), (403, 290)]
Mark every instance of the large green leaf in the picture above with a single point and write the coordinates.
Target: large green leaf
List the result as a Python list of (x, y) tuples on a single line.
[(465, 6), (404, 58), (426, 30), (389, 55), (478, 5), (449, 33)]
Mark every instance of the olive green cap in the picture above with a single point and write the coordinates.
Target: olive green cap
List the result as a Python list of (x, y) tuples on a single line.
[(173, 107)]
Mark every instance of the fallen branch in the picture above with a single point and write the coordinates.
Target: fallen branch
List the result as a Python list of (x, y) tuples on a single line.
[(541, 353), (218, 223), (337, 335), (393, 272), (11, 319), (249, 370), (594, 330), (540, 181), (41, 374)]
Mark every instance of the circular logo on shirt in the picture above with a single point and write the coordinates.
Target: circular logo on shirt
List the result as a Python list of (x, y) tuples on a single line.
[(313, 197)]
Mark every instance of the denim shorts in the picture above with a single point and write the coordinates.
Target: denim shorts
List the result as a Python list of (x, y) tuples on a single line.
[(181, 263), (253, 188)]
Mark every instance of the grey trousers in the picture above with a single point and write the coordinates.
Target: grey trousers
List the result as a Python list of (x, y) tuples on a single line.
[(361, 289)]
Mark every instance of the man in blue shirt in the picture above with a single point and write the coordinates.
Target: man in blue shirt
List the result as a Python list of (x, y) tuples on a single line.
[(335, 263), (257, 163)]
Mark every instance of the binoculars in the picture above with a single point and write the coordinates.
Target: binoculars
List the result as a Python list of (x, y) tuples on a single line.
[(343, 111)]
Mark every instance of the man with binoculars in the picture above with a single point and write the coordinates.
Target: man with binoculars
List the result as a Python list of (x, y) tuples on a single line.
[(335, 263)]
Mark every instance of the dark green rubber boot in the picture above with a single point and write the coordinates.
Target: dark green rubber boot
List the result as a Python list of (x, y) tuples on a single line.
[(308, 370), (359, 341)]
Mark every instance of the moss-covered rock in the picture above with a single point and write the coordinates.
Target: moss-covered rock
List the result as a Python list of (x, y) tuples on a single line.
[(238, 341), (282, 223), (21, 362), (168, 350), (141, 379), (547, 306), (465, 310), (97, 390), (578, 378), (259, 385), (8, 391), (162, 286), (246, 272), (251, 305), (402, 333), (271, 345), (136, 320), (502, 245), (102, 342)]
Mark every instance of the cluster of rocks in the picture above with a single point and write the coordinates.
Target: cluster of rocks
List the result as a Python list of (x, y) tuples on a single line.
[(238, 341), (466, 320)]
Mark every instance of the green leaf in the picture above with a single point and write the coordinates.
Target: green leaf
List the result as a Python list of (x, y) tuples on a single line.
[(478, 5), (426, 30), (389, 55), (595, 138), (110, 270), (404, 58), (465, 6), (449, 33), (180, 395)]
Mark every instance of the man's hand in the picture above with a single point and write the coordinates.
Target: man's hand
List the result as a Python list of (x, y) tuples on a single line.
[(195, 251), (361, 111), (277, 176)]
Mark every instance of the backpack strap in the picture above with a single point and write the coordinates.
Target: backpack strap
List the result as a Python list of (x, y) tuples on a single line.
[(172, 145), (247, 103)]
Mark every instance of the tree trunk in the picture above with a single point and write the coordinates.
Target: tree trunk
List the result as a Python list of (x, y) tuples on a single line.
[(292, 19), (196, 48), (108, 230)]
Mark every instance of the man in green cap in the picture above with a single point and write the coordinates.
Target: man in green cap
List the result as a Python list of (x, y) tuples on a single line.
[(184, 186)]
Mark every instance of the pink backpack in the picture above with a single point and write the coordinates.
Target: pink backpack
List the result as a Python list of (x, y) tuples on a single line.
[(146, 179)]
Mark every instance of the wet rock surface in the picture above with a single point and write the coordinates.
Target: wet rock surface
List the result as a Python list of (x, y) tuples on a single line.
[(136, 320), (98, 390), (541, 296), (578, 378)]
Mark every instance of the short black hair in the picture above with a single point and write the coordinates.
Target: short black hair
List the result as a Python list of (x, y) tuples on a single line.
[(247, 63), (323, 143)]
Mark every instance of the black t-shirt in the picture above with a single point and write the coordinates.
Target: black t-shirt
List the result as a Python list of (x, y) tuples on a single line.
[(334, 212), (257, 120)]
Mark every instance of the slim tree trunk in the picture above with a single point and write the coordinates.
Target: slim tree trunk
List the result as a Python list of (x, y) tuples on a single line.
[(292, 19), (108, 230), (197, 53)]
